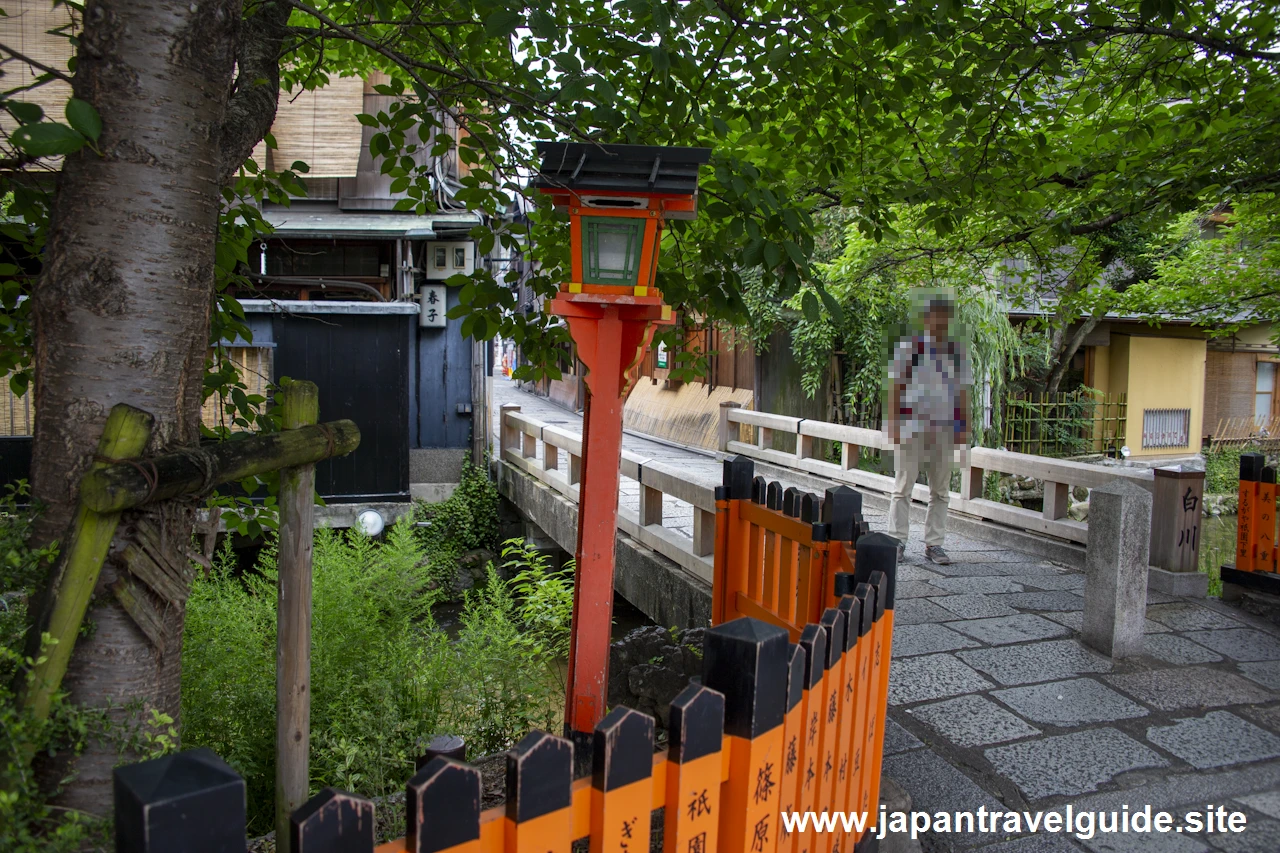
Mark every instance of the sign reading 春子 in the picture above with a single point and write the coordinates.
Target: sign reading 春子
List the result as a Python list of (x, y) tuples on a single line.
[(432, 305)]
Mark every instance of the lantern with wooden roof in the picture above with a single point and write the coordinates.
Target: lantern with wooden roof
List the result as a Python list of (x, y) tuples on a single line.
[(618, 198)]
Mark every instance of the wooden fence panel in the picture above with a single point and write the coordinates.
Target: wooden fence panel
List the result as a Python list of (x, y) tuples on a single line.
[(442, 808), (332, 821), (813, 639), (621, 787), (539, 795), (694, 764), (833, 622), (793, 739), (747, 660)]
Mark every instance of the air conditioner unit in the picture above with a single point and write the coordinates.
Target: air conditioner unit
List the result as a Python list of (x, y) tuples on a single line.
[(449, 258)]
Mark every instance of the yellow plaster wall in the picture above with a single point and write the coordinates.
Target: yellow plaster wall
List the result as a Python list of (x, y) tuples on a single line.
[(1159, 373)]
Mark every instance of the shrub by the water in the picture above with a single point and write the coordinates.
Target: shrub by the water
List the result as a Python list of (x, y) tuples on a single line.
[(383, 676)]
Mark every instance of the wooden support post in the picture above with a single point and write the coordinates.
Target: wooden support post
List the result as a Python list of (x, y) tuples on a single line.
[(539, 795), (622, 786), (124, 436), (851, 606), (1264, 522), (1057, 500), (704, 532), (863, 613), (692, 814), (509, 434), (727, 431), (333, 820), (441, 746), (442, 809), (650, 506), (300, 405), (971, 482), (877, 565), (189, 801)]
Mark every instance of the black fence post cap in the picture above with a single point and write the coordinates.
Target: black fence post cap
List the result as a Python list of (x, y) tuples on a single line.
[(333, 821), (188, 802)]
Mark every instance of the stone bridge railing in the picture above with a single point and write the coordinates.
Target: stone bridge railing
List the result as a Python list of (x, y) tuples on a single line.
[(560, 468), (1058, 475), (519, 440)]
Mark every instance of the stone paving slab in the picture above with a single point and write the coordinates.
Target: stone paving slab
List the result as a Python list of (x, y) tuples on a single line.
[(1190, 687), (973, 721), (1267, 802), (936, 786), (1040, 843), (1059, 600), (920, 611), (932, 677), (961, 569), (1073, 763), (972, 607), (1027, 664), (1217, 739), (1141, 842), (1266, 673), (897, 739), (972, 585), (1003, 630), (1261, 836), (1174, 649), (1184, 616), (1067, 581), (1070, 703), (1243, 644), (917, 589), (1075, 620), (910, 640), (908, 572)]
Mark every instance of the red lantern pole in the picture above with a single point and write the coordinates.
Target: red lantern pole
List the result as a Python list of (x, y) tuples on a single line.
[(611, 334)]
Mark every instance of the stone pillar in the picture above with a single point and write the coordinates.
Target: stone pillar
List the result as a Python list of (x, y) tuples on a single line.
[(1176, 512), (1115, 589)]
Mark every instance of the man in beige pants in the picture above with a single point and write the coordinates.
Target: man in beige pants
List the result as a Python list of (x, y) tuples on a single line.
[(927, 420)]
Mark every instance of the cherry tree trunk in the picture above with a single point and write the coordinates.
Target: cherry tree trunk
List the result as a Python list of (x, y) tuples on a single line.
[(122, 316)]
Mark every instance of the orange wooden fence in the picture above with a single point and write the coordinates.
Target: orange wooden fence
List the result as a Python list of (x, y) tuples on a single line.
[(774, 726), (1256, 516)]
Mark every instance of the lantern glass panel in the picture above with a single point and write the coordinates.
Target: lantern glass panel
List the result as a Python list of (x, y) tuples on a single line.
[(611, 250)]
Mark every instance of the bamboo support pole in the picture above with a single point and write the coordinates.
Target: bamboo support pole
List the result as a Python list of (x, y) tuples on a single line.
[(119, 487), (125, 435), (300, 408)]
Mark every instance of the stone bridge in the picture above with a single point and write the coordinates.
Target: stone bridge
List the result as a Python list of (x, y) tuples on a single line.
[(995, 704)]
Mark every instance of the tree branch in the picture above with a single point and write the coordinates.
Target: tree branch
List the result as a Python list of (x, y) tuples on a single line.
[(252, 106), (39, 66)]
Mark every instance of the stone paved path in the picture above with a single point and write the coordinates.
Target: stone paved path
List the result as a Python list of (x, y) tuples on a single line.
[(995, 702)]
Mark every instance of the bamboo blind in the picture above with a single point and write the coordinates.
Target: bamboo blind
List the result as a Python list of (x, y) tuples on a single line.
[(254, 364), (318, 128), (15, 411), (26, 30), (1230, 383)]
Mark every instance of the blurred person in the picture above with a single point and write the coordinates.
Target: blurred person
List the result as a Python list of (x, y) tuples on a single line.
[(927, 419)]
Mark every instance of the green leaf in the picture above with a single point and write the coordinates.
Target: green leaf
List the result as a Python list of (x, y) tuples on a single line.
[(84, 118), (502, 23), (25, 113), (809, 304), (47, 139)]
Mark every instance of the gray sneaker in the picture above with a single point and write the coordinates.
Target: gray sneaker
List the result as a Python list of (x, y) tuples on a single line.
[(935, 554)]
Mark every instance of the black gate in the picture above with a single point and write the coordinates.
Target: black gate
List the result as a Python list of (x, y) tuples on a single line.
[(360, 362)]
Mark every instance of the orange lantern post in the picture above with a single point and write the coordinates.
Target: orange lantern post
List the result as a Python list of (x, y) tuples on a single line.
[(618, 198)]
